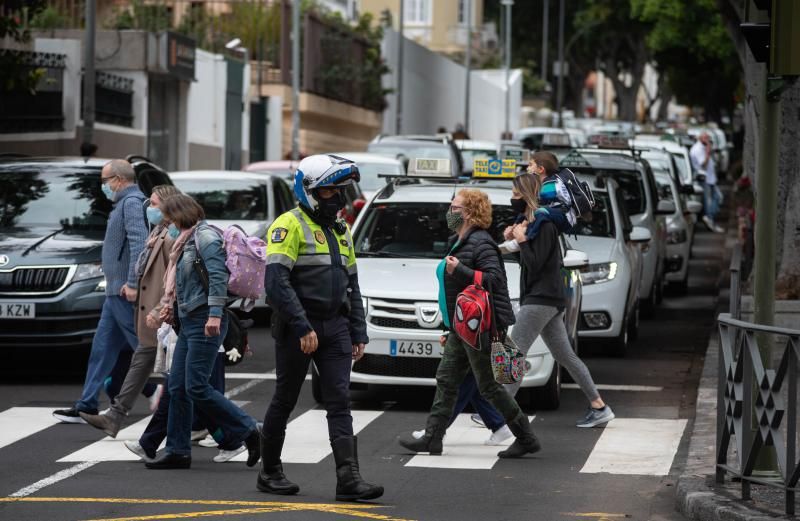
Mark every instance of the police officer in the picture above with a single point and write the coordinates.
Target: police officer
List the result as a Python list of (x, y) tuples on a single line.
[(312, 287)]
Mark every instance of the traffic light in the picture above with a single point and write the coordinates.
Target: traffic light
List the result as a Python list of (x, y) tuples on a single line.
[(775, 42)]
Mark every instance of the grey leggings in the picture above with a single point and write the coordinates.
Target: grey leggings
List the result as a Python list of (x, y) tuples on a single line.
[(534, 320)]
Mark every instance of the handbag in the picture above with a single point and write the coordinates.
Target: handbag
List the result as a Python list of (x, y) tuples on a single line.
[(508, 362)]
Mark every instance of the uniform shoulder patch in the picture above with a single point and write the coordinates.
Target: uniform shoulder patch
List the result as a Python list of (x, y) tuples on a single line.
[(344, 243), (319, 236), (278, 235)]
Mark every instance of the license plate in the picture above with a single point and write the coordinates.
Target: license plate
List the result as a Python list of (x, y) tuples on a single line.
[(412, 348), (14, 310)]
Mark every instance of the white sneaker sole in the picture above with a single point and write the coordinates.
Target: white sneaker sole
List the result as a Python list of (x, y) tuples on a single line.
[(595, 423), (68, 419), (219, 458)]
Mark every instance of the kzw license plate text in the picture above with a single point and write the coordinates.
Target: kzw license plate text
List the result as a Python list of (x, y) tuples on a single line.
[(17, 311)]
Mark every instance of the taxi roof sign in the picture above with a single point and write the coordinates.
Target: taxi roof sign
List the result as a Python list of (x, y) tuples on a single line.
[(494, 168), (515, 152), (574, 160), (430, 167), (606, 141), (554, 140)]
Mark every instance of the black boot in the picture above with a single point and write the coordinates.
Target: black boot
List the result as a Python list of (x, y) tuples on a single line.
[(430, 442), (271, 478), (253, 443), (349, 484), (170, 461), (526, 442)]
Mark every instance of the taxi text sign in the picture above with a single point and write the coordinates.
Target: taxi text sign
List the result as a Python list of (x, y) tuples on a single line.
[(494, 168)]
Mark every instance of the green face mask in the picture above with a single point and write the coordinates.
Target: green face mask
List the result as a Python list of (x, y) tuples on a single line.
[(454, 220)]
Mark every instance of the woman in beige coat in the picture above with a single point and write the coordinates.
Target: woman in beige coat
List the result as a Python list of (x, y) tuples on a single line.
[(151, 266)]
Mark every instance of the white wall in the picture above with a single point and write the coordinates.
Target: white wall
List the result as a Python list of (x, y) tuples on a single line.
[(434, 89), (275, 128), (206, 109)]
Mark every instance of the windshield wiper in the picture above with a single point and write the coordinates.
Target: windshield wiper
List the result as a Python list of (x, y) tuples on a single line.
[(387, 254)]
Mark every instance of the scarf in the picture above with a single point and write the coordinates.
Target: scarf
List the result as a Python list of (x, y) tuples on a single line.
[(172, 268), (144, 257)]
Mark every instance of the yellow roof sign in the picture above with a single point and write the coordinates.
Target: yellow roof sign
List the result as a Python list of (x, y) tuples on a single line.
[(494, 169)]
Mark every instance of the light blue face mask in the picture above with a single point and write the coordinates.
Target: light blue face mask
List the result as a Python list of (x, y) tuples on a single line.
[(154, 215), (109, 193), (173, 231)]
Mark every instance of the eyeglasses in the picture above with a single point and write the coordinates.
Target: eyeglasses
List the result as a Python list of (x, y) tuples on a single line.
[(104, 180)]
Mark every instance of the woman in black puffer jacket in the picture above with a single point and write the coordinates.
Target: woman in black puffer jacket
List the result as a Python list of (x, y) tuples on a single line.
[(472, 249)]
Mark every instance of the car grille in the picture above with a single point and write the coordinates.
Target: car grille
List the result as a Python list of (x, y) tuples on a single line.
[(384, 365), (50, 330), (33, 280), (398, 314)]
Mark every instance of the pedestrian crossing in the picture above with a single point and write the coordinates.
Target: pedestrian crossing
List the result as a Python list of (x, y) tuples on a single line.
[(627, 446)]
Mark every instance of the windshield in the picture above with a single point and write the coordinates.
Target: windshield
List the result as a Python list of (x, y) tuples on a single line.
[(470, 156), (630, 181), (228, 199), (369, 174), (602, 223), (69, 199), (415, 230)]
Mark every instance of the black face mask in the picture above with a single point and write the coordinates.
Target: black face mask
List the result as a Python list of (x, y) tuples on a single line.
[(328, 208), (519, 205)]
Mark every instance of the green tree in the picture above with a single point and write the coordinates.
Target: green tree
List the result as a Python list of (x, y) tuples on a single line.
[(693, 53)]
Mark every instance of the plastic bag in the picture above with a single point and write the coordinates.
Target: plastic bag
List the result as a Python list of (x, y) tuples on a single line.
[(166, 348)]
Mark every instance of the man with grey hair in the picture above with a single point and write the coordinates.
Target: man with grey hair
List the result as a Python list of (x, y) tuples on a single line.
[(124, 241), (703, 161)]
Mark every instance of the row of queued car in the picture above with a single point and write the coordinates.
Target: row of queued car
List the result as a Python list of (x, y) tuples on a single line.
[(51, 283)]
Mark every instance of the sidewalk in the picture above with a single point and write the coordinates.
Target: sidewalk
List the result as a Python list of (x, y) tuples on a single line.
[(698, 496)]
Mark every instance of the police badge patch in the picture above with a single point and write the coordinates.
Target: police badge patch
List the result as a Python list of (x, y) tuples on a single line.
[(344, 243), (319, 236), (279, 235)]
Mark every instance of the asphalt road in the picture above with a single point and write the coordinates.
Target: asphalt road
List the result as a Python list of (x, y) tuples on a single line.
[(626, 471)]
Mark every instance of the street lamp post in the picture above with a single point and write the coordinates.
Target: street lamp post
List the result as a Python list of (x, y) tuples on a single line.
[(398, 128), (508, 4), (87, 147), (295, 80), (545, 36), (561, 64), (467, 60)]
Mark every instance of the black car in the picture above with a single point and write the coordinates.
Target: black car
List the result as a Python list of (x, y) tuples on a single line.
[(53, 218)]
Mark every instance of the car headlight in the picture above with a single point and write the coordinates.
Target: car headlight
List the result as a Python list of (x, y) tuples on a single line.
[(598, 273), (364, 301), (101, 286), (676, 237), (88, 271)]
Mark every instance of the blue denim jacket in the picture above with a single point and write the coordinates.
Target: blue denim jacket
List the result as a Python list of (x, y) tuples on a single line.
[(189, 287)]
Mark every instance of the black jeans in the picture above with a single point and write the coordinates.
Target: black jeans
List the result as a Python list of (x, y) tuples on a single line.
[(333, 360)]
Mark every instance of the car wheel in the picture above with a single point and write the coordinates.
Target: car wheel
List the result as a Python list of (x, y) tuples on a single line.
[(649, 305), (316, 385), (633, 326), (548, 397)]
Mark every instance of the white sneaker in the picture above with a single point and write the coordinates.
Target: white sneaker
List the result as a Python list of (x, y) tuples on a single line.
[(199, 435), (137, 449), (226, 455), (418, 434), (475, 417), (155, 397), (718, 229), (499, 436), (709, 222), (208, 441)]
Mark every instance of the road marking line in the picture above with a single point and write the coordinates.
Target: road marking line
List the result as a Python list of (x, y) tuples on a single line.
[(307, 436), (255, 376), (611, 387), (463, 448), (636, 446), (356, 510), (601, 516), (55, 478), (110, 449), (20, 422)]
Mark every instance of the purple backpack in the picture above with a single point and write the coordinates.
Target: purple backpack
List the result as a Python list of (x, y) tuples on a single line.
[(246, 260)]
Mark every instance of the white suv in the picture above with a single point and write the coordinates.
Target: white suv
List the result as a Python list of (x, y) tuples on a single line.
[(400, 237)]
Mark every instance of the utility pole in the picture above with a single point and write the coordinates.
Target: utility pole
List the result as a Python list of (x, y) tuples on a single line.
[(87, 146), (467, 61), (545, 36), (561, 64), (398, 126), (295, 80), (508, 4)]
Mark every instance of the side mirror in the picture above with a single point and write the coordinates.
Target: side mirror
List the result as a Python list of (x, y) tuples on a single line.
[(665, 207), (687, 189), (575, 259), (694, 206), (698, 189), (640, 235)]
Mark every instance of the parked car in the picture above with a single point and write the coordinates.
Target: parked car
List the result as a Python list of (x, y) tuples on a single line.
[(354, 198), (53, 218), (369, 166), (640, 196), (472, 149), (680, 229), (531, 137), (682, 163), (612, 281), (400, 237), (409, 147)]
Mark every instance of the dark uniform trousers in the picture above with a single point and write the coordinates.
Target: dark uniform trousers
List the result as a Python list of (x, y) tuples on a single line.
[(333, 360)]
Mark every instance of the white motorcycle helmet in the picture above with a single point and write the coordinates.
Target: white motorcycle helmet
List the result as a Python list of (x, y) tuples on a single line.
[(319, 171)]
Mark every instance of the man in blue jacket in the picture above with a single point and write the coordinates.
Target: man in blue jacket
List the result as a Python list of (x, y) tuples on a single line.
[(124, 241)]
